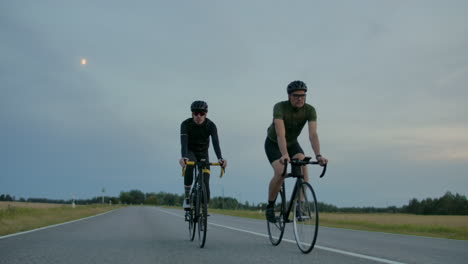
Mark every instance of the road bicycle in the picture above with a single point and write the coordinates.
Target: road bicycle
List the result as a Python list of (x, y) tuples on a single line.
[(303, 204), (198, 212)]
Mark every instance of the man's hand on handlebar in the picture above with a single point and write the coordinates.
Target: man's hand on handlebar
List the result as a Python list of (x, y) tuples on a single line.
[(285, 159), (183, 162), (223, 163), (322, 161)]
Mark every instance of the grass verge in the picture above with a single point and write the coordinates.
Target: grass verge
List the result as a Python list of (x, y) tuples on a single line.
[(452, 227), (15, 218)]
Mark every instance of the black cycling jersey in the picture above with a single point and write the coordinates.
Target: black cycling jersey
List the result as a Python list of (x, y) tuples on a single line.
[(196, 138)]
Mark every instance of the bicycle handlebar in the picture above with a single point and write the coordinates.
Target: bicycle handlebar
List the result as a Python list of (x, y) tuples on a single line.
[(304, 162), (193, 163)]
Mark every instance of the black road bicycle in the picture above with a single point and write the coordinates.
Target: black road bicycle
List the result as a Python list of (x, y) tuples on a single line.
[(198, 212), (303, 203)]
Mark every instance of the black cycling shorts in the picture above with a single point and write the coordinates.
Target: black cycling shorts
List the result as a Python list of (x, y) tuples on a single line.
[(273, 153)]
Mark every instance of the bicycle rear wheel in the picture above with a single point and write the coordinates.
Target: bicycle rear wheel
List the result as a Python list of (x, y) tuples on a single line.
[(305, 217), (191, 216), (276, 230), (202, 215)]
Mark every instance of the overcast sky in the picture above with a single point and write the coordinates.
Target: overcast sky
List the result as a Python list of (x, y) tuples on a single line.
[(388, 80)]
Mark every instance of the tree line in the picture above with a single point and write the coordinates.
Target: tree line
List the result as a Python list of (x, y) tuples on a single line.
[(6, 197), (448, 204)]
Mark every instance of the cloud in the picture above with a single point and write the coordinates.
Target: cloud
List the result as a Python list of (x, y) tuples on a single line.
[(432, 143), (422, 143)]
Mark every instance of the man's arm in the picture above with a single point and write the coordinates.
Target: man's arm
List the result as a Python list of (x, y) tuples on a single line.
[(184, 139), (215, 139), (314, 141), (281, 138), (217, 148), (313, 137)]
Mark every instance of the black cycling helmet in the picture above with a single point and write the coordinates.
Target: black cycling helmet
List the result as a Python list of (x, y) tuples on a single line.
[(297, 86), (199, 106)]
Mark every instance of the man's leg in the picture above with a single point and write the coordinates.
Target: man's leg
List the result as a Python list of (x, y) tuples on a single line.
[(299, 206), (206, 172), (188, 179), (301, 156), (274, 155), (274, 188), (276, 181), (206, 180)]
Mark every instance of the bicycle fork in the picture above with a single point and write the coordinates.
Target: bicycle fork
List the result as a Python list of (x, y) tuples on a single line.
[(297, 186)]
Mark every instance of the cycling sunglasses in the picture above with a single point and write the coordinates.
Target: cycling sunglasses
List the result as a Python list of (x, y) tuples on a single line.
[(298, 95), (199, 113)]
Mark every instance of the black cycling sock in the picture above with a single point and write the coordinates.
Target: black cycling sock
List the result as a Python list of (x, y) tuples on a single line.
[(271, 204)]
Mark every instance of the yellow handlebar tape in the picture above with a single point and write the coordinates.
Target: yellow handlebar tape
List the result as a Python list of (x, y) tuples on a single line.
[(204, 170)]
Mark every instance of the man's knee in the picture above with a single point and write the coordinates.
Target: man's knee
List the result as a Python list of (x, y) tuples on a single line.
[(300, 156), (278, 167)]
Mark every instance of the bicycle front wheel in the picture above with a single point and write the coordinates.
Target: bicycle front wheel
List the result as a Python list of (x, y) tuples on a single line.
[(305, 217), (191, 214), (202, 204), (276, 230)]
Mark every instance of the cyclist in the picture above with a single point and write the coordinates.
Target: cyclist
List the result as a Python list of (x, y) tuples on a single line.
[(195, 135), (289, 118)]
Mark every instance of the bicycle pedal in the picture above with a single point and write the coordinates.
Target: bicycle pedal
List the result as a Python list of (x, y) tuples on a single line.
[(302, 218)]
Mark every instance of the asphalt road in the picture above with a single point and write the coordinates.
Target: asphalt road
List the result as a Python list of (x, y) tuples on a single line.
[(158, 235)]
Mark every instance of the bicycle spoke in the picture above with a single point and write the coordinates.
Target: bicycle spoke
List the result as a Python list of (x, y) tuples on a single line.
[(191, 217)]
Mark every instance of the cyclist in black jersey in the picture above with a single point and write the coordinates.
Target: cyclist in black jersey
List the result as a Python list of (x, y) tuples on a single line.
[(195, 135), (289, 118)]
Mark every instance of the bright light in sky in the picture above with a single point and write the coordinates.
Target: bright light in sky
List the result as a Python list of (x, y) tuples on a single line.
[(83, 61)]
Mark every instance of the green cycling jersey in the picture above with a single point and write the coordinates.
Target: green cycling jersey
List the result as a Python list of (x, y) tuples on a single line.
[(294, 120)]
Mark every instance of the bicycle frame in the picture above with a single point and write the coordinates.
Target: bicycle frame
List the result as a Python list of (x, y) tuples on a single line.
[(293, 194), (302, 192), (200, 203), (296, 164)]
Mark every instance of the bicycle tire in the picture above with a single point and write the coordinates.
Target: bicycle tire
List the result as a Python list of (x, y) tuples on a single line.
[(276, 230), (202, 216), (305, 217), (192, 214)]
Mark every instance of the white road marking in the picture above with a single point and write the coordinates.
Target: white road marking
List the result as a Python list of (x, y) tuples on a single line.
[(382, 260)]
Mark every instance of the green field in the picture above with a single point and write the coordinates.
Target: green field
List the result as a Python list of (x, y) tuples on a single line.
[(442, 226), (17, 217)]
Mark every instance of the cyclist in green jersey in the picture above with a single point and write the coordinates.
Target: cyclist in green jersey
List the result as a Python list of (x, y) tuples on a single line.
[(289, 118)]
